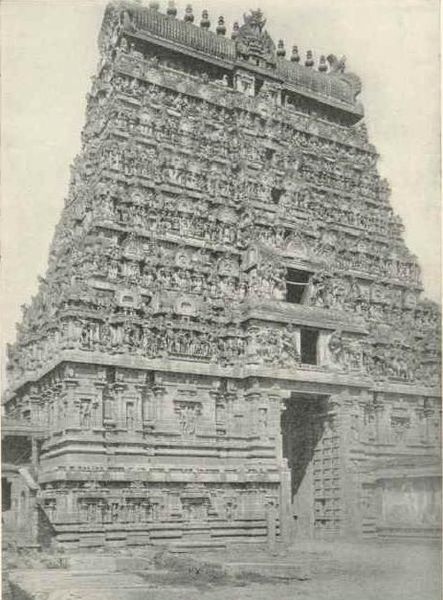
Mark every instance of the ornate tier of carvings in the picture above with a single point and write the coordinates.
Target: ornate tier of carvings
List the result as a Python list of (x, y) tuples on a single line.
[(188, 203)]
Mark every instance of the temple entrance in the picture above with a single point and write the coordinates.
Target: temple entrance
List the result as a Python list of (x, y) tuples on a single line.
[(311, 445)]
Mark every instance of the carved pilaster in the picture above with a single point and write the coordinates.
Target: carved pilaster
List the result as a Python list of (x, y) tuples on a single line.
[(71, 384), (36, 406), (433, 422), (99, 412), (158, 401), (147, 405), (120, 417), (381, 418), (109, 408), (252, 398)]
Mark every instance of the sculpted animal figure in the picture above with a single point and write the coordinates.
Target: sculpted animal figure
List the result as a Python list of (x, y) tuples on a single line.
[(336, 65)]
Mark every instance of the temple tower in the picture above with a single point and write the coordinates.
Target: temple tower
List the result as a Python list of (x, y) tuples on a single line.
[(230, 342)]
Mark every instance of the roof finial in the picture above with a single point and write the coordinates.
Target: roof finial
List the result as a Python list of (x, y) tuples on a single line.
[(322, 67), (281, 49), (154, 5), (295, 56), (171, 11), (189, 16), (309, 62), (235, 31), (205, 23), (221, 27)]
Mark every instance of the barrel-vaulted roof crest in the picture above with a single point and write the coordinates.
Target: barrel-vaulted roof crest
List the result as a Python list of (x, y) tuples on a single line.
[(249, 47)]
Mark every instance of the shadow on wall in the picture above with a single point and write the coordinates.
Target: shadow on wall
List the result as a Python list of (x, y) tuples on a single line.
[(303, 425)]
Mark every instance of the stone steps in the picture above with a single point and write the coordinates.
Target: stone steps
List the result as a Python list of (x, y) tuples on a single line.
[(190, 546), (106, 564)]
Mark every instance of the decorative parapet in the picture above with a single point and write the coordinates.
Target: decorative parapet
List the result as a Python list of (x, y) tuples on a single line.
[(252, 49)]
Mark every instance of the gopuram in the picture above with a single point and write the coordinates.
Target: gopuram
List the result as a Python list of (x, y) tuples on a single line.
[(230, 343)]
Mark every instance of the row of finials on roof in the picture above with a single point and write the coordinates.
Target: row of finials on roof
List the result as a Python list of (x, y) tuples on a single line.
[(220, 29)]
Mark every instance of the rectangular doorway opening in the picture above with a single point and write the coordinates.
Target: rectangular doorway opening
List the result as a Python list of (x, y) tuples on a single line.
[(297, 283), (311, 447), (309, 346)]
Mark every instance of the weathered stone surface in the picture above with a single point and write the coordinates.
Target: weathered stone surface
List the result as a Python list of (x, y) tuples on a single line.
[(230, 342)]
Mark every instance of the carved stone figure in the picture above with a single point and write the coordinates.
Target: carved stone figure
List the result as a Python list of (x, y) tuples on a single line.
[(228, 301)]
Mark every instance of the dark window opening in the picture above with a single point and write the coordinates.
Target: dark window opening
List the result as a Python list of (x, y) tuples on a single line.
[(269, 154), (110, 374), (297, 283), (276, 194), (6, 494), (308, 346)]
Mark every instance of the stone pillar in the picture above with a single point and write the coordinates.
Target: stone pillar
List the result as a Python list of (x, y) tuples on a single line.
[(70, 502), (147, 404), (271, 526), (278, 406), (286, 523), (159, 402), (346, 498), (252, 398), (217, 402), (119, 409), (108, 405), (99, 413), (138, 406)]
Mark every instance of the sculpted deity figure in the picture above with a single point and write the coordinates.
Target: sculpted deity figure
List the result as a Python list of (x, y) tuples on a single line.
[(290, 346), (105, 335), (85, 414), (336, 348), (188, 418), (74, 332)]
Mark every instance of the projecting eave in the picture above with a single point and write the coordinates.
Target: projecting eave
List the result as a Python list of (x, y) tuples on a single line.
[(309, 316)]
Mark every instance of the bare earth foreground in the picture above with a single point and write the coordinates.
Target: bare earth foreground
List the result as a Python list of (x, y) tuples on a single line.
[(327, 570)]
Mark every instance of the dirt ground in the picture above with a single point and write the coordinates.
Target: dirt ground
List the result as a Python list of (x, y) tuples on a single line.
[(305, 571)]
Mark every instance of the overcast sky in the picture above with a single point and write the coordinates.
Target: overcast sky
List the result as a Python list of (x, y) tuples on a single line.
[(49, 53)]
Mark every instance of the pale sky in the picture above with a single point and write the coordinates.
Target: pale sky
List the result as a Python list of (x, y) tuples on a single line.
[(49, 53)]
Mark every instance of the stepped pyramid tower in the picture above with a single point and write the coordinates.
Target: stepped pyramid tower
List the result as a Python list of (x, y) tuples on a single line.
[(230, 342)]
